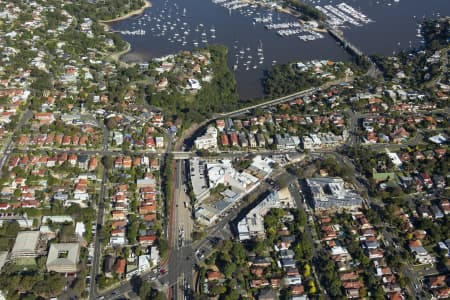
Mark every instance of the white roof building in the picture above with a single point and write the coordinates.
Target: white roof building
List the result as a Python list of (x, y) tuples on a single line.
[(208, 140), (330, 193), (223, 172), (198, 178), (56, 219), (394, 158), (80, 229), (193, 84), (117, 240), (26, 245), (338, 250), (252, 225), (154, 256), (143, 263), (262, 165), (63, 258)]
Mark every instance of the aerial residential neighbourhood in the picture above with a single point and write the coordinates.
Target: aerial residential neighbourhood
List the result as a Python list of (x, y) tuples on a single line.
[(224, 150)]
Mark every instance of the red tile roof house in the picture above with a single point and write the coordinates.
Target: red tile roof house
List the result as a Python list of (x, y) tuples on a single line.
[(24, 161), (147, 240), (120, 266), (297, 290), (23, 139), (257, 283), (92, 164), (72, 159), (127, 162), (44, 118), (352, 285), (51, 162), (120, 197), (149, 217), (154, 164), (13, 162), (4, 206), (234, 139), (437, 281), (66, 140), (275, 283), (442, 293), (147, 190), (119, 224), (58, 139), (348, 276), (224, 139), (213, 275), (158, 120), (118, 163), (376, 253), (136, 162), (426, 180), (122, 188), (440, 152), (445, 206), (118, 215), (118, 232), (399, 135), (83, 140), (150, 142), (148, 198), (292, 271), (50, 138), (75, 139), (220, 124), (29, 204), (143, 210), (258, 272), (120, 206)]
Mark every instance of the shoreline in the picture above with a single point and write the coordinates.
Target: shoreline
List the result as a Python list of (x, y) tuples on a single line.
[(139, 11), (117, 55)]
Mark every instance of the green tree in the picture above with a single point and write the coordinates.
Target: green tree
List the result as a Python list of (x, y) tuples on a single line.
[(229, 269), (51, 285), (144, 289), (218, 289), (108, 162)]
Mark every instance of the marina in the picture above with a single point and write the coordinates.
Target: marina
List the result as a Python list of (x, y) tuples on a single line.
[(343, 14), (259, 36), (173, 23)]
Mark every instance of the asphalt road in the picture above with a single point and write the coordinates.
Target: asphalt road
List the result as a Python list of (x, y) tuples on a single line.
[(100, 212), (8, 146), (181, 261), (183, 251)]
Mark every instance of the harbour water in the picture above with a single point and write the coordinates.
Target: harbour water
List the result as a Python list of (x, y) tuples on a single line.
[(173, 25), (396, 22)]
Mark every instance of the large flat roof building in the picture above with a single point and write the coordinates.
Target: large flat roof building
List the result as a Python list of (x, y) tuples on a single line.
[(199, 179), (223, 172), (252, 225), (63, 258), (208, 140), (26, 245), (329, 193), (206, 175)]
